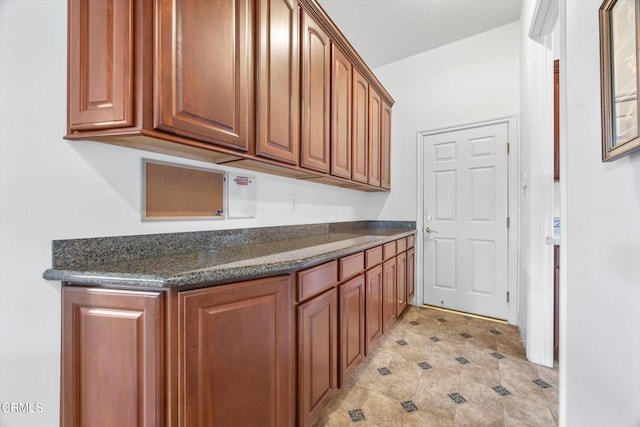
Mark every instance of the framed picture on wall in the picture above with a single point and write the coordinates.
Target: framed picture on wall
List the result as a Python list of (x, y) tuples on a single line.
[(619, 42)]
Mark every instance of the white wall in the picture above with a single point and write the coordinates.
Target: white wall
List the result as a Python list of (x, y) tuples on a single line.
[(51, 188), (600, 264), (466, 81)]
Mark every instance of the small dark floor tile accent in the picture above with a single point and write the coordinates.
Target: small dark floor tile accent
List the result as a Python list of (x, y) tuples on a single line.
[(542, 384), (434, 339), (495, 331), (424, 365), (414, 323), (498, 355), (356, 415), (384, 371), (457, 398), (402, 342), (465, 335), (441, 320), (501, 390), (409, 406), (461, 360)]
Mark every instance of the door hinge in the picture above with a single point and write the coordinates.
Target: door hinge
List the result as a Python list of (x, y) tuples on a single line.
[(508, 222), (507, 296), (508, 147)]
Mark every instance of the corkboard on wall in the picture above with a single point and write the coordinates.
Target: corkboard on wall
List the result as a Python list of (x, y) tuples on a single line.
[(175, 191)]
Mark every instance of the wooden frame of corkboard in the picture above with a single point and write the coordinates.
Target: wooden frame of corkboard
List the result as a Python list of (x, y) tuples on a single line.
[(171, 191)]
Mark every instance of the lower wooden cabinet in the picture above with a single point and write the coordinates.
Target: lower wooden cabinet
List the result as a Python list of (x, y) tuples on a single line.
[(352, 326), (411, 274), (112, 358), (389, 277), (235, 354), (401, 283), (373, 309), (317, 355)]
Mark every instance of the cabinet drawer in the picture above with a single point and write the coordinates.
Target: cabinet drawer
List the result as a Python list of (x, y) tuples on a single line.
[(351, 265), (410, 242), (374, 256), (389, 250), (401, 245), (316, 280)]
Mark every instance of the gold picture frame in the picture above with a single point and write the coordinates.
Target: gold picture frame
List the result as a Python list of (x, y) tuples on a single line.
[(619, 83)]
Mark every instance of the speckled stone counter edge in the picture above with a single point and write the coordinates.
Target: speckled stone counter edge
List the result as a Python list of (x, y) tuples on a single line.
[(71, 257)]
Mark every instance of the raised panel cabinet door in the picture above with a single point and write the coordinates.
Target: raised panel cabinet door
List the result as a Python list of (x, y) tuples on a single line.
[(340, 114), (204, 70), (278, 81), (100, 64), (317, 355), (315, 95), (401, 283), (359, 131), (352, 330), (112, 364), (235, 354), (411, 274), (375, 113), (389, 277), (385, 146), (373, 310)]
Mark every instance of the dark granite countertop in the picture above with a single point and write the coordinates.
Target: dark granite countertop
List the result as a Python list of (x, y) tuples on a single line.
[(277, 251)]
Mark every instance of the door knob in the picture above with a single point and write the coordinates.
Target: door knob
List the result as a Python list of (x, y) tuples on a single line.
[(429, 230)]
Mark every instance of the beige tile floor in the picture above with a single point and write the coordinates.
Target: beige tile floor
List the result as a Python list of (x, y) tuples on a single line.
[(425, 373)]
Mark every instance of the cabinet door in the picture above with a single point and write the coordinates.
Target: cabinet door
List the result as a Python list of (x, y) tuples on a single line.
[(317, 355), (401, 283), (360, 144), (411, 274), (373, 329), (100, 64), (235, 354), (375, 108), (278, 82), (340, 114), (385, 147), (352, 330), (389, 277), (316, 69), (111, 358), (204, 70)]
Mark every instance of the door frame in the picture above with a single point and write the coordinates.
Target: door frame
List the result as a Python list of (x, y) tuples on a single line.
[(513, 172)]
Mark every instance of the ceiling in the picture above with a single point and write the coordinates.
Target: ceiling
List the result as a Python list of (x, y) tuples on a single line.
[(385, 31)]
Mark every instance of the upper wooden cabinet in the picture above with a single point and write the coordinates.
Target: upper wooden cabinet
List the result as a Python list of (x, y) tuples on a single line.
[(278, 85), (204, 70), (316, 80), (385, 146), (340, 114), (360, 120), (265, 85)]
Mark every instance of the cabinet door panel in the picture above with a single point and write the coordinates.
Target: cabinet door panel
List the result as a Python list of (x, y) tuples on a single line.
[(411, 274), (317, 355), (204, 70), (340, 114), (385, 146), (375, 108), (374, 290), (359, 124), (111, 358), (278, 91), (401, 283), (352, 330), (100, 64), (389, 277), (235, 354), (316, 69)]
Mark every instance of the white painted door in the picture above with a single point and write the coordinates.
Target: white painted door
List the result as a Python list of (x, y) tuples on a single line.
[(465, 219)]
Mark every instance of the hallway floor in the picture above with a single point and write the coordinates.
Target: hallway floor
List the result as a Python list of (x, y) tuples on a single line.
[(435, 368)]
